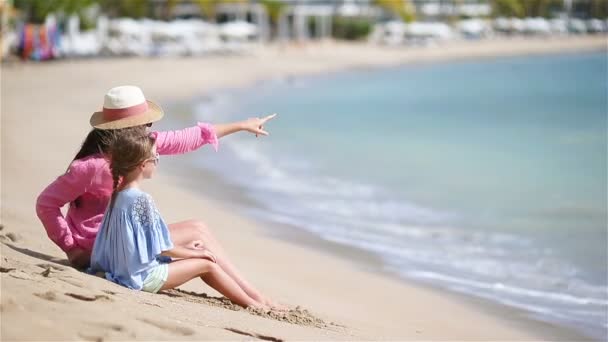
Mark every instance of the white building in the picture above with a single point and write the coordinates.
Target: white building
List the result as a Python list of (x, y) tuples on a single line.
[(440, 9)]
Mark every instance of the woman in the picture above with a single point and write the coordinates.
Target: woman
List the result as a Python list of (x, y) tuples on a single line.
[(87, 184)]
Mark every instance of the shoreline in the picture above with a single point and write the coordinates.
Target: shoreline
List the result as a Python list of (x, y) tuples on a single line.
[(378, 307), (358, 258)]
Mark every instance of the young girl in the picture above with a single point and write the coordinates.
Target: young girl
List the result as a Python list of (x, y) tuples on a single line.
[(133, 243)]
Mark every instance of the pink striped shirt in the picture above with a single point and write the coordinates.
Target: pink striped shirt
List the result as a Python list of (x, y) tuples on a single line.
[(90, 180)]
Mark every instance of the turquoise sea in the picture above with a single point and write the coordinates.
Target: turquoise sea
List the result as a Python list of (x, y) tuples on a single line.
[(485, 177)]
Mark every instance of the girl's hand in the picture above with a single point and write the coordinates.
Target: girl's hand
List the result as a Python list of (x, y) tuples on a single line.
[(256, 125), (196, 244), (205, 254)]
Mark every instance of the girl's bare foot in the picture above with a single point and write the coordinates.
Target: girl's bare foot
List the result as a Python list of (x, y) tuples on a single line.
[(275, 306), (259, 306)]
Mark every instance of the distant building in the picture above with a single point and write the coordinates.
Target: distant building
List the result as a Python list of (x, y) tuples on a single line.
[(299, 19), (438, 10)]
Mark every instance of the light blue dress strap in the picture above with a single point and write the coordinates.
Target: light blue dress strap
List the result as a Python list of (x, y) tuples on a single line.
[(151, 234)]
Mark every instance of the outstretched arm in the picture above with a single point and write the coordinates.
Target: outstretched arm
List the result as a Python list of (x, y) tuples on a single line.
[(253, 125), (185, 140), (192, 138)]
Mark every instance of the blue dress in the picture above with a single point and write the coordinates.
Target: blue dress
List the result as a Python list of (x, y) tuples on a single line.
[(130, 240)]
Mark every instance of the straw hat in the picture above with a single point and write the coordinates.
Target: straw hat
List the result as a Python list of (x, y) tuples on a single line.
[(125, 106)]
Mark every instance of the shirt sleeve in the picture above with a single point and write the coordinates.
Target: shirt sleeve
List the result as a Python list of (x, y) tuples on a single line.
[(151, 232), (65, 189), (185, 140)]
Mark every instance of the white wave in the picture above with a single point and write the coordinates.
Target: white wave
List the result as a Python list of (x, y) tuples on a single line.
[(514, 290)]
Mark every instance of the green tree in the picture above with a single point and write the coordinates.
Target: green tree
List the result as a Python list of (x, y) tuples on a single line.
[(274, 9), (599, 9), (403, 9), (508, 8), (541, 8), (35, 11), (208, 7), (527, 8), (125, 8)]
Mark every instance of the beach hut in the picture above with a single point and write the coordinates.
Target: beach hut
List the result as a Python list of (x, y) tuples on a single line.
[(237, 35), (558, 26), (295, 19), (577, 26), (419, 32), (537, 26), (502, 25), (250, 12), (517, 25), (595, 26), (473, 28), (393, 32), (238, 30), (127, 37)]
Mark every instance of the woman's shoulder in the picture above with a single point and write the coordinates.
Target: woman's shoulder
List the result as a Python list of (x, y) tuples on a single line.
[(92, 162)]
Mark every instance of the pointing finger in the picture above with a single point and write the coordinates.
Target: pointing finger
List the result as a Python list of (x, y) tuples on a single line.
[(269, 117)]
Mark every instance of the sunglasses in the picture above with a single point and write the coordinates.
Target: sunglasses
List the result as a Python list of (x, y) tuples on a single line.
[(155, 160)]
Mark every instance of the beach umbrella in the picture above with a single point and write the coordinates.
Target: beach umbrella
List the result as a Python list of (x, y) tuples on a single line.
[(429, 30), (595, 26), (558, 26), (537, 26), (238, 29), (395, 27), (577, 26), (472, 28), (502, 24)]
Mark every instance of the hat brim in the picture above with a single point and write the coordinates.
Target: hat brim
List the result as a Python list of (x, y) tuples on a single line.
[(153, 114)]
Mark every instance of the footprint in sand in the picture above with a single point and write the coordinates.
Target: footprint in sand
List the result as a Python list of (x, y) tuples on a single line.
[(110, 326), (6, 269), (169, 327), (10, 304), (49, 295), (89, 298), (52, 267), (17, 274), (105, 327), (90, 338), (48, 269), (256, 335), (12, 236)]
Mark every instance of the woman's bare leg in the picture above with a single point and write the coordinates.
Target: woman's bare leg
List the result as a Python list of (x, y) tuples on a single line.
[(182, 271), (184, 232)]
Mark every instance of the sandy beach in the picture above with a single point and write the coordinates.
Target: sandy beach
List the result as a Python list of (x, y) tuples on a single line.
[(45, 110)]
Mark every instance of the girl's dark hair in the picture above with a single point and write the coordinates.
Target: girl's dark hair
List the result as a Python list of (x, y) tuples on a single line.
[(98, 141), (127, 152)]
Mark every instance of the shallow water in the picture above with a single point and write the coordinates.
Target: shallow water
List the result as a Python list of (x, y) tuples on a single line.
[(486, 177)]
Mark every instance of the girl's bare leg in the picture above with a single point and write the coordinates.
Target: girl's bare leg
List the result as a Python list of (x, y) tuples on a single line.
[(184, 232), (184, 270)]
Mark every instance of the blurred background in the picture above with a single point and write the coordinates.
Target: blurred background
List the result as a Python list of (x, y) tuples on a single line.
[(482, 176), (46, 29)]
